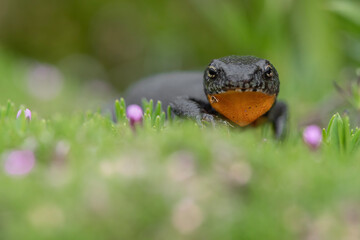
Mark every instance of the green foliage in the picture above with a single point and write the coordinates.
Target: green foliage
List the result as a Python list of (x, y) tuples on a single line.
[(120, 110), (347, 9), (128, 42), (153, 118), (94, 179), (338, 135)]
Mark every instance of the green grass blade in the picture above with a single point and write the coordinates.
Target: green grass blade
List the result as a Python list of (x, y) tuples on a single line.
[(9, 108), (330, 124), (340, 134), (158, 109), (157, 124), (346, 129), (120, 110), (162, 119), (151, 106), (117, 110), (355, 140), (169, 117), (324, 136), (145, 103)]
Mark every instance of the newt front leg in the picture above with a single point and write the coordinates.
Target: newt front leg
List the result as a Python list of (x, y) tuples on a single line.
[(278, 116)]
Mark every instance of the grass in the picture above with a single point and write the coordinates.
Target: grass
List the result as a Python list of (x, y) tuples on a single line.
[(170, 180)]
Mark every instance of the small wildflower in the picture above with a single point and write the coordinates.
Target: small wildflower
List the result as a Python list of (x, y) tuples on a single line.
[(19, 162), (312, 136), (135, 114), (27, 114)]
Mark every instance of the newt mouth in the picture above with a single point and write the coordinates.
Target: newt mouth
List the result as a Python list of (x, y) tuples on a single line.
[(261, 88), (249, 90), (242, 105)]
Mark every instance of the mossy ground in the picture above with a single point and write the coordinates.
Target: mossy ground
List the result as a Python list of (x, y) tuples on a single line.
[(94, 179)]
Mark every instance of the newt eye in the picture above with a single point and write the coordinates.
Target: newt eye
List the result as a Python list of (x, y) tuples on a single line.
[(268, 71), (212, 72)]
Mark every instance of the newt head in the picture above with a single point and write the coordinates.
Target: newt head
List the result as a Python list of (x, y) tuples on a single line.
[(241, 88)]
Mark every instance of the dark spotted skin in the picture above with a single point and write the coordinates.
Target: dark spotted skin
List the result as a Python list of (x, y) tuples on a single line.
[(245, 72), (186, 92)]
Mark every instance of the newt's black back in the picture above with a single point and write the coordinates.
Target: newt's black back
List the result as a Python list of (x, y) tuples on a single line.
[(166, 87)]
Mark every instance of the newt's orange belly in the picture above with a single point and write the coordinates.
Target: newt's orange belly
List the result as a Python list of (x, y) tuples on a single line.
[(241, 108)]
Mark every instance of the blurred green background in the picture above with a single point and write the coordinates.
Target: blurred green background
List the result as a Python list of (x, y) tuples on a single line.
[(99, 47)]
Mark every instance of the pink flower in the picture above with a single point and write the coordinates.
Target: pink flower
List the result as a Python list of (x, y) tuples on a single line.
[(19, 162), (27, 114), (312, 136), (135, 114)]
